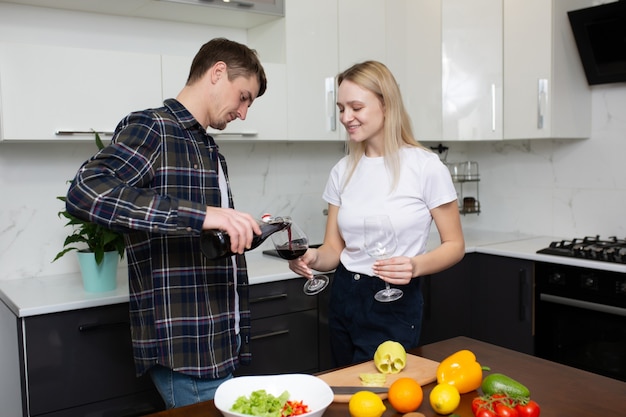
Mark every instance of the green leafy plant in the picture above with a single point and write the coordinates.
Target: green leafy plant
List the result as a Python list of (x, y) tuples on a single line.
[(99, 239)]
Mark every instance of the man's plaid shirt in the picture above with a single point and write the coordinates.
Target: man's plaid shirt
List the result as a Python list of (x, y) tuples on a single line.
[(154, 183)]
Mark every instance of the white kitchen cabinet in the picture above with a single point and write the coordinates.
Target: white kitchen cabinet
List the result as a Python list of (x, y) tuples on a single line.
[(450, 69), (471, 78), (266, 118), (492, 70), (322, 38), (47, 90), (311, 52), (546, 92)]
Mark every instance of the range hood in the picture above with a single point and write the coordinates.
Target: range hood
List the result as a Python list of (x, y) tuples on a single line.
[(273, 7), (242, 14), (600, 34)]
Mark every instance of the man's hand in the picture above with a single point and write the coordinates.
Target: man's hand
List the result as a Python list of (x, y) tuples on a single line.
[(241, 227)]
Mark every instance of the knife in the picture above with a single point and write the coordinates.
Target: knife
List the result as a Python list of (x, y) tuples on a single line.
[(352, 390)]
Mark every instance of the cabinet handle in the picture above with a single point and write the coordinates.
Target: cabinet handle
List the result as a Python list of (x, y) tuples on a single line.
[(80, 132), (524, 295), (330, 104), (244, 134), (542, 101), (268, 298), (585, 305), (270, 334), (95, 326), (427, 295), (493, 107)]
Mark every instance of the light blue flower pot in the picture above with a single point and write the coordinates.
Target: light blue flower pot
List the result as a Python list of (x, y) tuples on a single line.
[(99, 278)]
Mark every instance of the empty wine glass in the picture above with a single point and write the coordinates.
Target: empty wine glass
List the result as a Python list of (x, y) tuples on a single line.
[(381, 243), (292, 243)]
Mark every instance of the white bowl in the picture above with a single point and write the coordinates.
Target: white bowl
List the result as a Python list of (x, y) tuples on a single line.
[(309, 389)]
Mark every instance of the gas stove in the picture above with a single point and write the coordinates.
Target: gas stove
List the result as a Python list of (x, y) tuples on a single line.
[(590, 247)]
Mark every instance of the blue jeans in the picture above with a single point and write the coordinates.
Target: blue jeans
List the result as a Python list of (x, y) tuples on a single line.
[(178, 389)]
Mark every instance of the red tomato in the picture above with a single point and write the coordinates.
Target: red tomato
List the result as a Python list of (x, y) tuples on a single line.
[(484, 412), (530, 409), (477, 403), (503, 410)]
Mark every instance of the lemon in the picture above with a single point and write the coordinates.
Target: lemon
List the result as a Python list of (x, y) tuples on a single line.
[(444, 398), (366, 404)]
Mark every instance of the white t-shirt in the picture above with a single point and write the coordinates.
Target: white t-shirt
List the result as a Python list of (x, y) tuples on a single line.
[(425, 183), (224, 197)]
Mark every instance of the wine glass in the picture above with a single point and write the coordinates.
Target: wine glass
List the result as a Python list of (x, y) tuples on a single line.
[(381, 243), (292, 243)]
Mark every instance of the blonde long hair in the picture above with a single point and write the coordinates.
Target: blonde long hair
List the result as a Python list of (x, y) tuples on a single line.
[(376, 77)]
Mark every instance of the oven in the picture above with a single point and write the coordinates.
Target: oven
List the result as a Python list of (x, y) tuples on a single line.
[(580, 312)]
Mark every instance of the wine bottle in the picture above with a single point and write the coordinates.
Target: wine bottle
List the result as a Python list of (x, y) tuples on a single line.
[(215, 243)]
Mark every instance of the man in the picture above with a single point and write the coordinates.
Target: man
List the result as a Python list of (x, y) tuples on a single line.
[(162, 181)]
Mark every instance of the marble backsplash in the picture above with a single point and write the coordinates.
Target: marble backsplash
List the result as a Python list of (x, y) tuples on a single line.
[(553, 187), (563, 188)]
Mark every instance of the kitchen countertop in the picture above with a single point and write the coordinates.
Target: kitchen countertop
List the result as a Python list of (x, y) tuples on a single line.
[(558, 389), (50, 294)]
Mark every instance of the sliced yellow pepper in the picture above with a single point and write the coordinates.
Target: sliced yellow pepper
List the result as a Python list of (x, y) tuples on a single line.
[(461, 370), (390, 357)]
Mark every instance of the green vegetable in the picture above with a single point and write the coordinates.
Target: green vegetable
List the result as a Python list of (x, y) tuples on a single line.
[(502, 384), (260, 404)]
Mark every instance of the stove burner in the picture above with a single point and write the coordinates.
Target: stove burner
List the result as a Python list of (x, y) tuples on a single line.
[(590, 247)]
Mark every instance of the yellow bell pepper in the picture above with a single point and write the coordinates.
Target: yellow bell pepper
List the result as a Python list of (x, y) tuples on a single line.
[(390, 357), (461, 370)]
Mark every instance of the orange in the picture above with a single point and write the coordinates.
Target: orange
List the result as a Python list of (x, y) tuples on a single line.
[(405, 395)]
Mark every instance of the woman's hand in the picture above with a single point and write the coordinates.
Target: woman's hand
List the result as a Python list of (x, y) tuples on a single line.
[(397, 270), (301, 265)]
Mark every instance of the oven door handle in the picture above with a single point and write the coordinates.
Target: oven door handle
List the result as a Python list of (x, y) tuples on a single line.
[(586, 305)]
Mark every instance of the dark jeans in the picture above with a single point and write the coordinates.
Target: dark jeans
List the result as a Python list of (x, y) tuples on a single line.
[(359, 324)]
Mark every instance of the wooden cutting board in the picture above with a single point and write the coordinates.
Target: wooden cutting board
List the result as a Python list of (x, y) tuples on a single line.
[(421, 369)]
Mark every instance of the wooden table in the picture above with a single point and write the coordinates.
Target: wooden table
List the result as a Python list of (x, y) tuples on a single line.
[(560, 391)]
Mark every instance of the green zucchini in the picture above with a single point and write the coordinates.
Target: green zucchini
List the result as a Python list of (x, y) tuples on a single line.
[(502, 384)]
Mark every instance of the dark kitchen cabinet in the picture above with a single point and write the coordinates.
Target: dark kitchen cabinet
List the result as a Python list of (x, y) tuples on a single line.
[(484, 297), (79, 363), (447, 302), (284, 334), (502, 302), (325, 361)]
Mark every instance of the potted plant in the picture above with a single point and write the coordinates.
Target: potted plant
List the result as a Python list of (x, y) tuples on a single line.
[(104, 248)]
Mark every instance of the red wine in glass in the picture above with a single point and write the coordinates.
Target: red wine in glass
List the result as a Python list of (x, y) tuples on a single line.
[(291, 243), (292, 250)]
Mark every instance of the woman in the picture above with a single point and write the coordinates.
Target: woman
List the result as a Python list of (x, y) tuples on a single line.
[(386, 171)]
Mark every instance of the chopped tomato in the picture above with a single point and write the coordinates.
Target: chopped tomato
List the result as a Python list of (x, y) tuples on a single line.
[(294, 408)]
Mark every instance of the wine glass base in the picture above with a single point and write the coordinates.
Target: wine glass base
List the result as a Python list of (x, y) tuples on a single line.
[(388, 295), (315, 285)]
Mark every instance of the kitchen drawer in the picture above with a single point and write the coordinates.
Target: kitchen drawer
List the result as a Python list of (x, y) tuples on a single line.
[(279, 297), (83, 360), (284, 344)]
